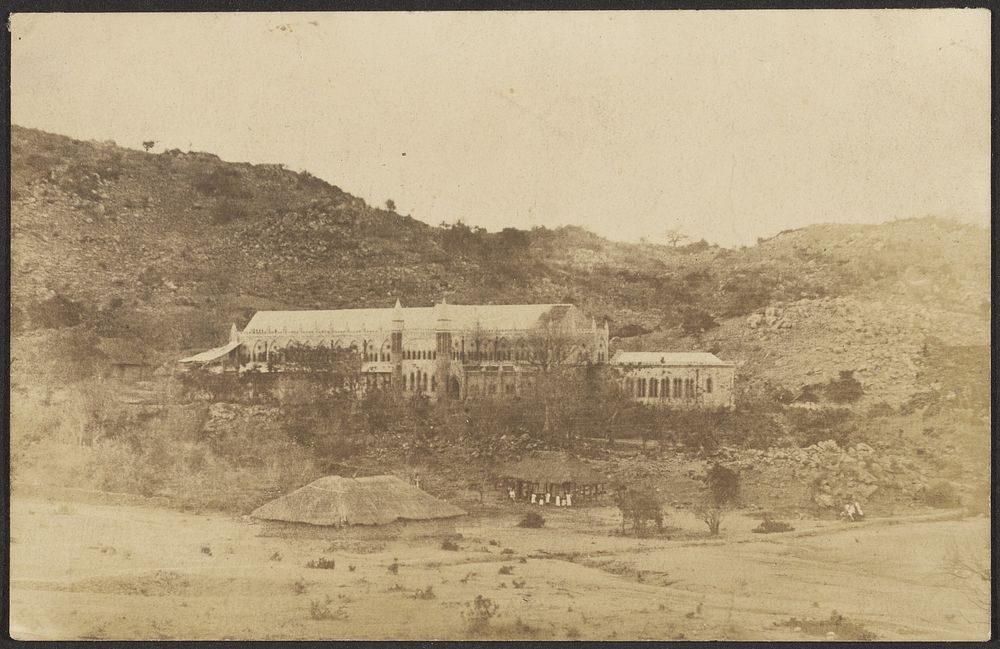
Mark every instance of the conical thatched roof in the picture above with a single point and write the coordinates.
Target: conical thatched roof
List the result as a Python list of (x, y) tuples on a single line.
[(553, 466), (376, 500)]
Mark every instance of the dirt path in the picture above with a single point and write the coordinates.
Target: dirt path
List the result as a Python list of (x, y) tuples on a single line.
[(87, 570)]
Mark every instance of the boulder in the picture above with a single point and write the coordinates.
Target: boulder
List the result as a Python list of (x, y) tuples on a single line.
[(823, 500)]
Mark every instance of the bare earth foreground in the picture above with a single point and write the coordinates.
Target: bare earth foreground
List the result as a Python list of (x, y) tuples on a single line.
[(84, 570)]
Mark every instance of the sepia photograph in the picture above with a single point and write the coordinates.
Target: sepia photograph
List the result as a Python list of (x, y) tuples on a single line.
[(507, 325)]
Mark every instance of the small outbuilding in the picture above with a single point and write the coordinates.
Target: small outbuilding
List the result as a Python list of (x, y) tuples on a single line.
[(126, 359), (552, 478), (382, 506)]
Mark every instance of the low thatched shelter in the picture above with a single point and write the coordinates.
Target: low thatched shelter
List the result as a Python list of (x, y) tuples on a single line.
[(380, 506), (551, 477)]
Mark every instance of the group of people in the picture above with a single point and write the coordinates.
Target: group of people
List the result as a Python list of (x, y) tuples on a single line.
[(539, 499), (852, 511)]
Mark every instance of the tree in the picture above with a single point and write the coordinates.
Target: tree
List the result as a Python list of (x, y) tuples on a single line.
[(696, 321), (390, 205), (712, 517), (641, 507), (558, 373), (970, 570), (722, 487), (674, 236), (148, 144)]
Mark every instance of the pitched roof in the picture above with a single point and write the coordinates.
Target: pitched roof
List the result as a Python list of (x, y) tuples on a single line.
[(375, 500), (553, 466), (486, 316), (212, 354), (668, 358)]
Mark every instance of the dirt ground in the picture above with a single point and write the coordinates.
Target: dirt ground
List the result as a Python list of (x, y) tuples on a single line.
[(125, 571)]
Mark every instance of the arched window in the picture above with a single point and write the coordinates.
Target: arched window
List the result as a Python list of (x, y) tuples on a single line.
[(677, 388), (413, 382), (434, 383), (425, 382), (708, 385), (630, 387), (654, 388), (642, 387), (404, 382), (664, 388)]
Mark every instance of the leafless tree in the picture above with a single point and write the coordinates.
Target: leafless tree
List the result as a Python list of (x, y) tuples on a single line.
[(557, 360), (970, 570), (674, 236), (712, 515)]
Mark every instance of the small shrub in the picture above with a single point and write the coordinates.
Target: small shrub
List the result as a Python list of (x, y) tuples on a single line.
[(320, 610), (522, 628), (448, 544), (532, 520), (300, 587), (425, 593), (229, 211), (941, 494), (712, 517), (206, 550), (845, 389), (322, 563), (479, 612), (519, 583), (221, 181), (836, 624), (394, 567), (768, 526), (494, 542), (352, 567), (507, 551), (276, 556), (572, 633), (506, 570)]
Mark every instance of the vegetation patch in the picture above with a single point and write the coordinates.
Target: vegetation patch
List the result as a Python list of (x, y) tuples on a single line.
[(532, 520), (841, 628), (322, 563), (769, 526)]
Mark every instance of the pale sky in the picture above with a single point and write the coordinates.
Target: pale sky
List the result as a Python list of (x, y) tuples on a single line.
[(727, 125)]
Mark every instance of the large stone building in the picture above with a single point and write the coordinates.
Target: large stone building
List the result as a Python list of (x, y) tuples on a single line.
[(445, 351), (691, 379)]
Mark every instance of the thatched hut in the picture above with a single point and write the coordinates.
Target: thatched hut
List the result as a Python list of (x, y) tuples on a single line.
[(552, 477), (380, 507)]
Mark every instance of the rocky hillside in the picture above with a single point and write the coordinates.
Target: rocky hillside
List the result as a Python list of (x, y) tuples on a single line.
[(166, 249)]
